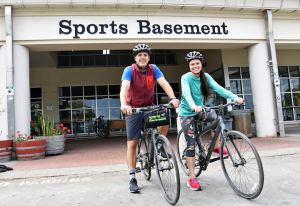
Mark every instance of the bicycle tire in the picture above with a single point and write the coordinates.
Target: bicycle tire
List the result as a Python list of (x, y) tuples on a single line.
[(143, 158), (167, 169), (181, 146), (100, 131), (252, 184)]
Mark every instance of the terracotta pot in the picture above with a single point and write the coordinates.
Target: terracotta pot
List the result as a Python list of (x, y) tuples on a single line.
[(30, 150), (5, 150)]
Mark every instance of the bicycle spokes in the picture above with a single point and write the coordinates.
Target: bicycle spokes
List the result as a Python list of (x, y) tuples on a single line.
[(167, 169), (243, 170)]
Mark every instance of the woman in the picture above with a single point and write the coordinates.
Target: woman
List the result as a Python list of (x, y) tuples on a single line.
[(196, 86)]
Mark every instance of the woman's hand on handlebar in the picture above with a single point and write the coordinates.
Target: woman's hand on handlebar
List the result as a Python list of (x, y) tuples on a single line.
[(126, 109), (239, 100), (197, 109)]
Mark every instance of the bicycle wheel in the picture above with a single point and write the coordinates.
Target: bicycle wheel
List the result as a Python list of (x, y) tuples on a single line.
[(243, 169), (143, 158), (181, 147), (167, 169)]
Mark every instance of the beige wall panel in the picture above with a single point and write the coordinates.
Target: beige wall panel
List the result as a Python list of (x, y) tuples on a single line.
[(235, 57), (288, 57), (286, 29), (2, 30)]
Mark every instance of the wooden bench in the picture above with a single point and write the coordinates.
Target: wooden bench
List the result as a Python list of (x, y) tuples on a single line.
[(117, 124)]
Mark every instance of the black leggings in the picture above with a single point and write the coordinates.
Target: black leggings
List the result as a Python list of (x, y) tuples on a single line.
[(188, 128)]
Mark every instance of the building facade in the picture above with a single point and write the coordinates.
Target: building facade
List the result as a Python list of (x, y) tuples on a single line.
[(65, 58)]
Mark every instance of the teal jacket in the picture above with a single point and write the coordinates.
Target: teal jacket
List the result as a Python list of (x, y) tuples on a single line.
[(192, 95)]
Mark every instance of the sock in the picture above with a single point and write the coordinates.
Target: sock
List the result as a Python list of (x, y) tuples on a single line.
[(132, 173)]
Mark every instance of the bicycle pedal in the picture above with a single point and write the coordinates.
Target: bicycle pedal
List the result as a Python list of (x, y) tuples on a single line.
[(137, 170)]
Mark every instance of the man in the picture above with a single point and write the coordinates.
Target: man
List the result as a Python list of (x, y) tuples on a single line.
[(137, 90)]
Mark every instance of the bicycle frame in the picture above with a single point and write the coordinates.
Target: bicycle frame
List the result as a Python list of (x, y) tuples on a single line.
[(220, 130)]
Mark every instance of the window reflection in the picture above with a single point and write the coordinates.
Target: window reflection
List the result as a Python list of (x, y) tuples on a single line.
[(81, 105), (284, 85), (89, 102), (245, 73), (90, 114), (234, 73), (247, 86), (115, 113), (248, 101), (114, 102), (294, 71), (296, 99), (77, 103), (286, 100), (235, 86), (295, 84), (288, 114), (297, 112), (102, 101), (283, 71)]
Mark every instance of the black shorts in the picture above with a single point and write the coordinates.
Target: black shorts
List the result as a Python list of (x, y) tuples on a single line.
[(134, 125)]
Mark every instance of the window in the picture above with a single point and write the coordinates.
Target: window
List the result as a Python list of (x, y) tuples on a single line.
[(290, 92), (79, 106), (240, 84), (94, 58), (36, 103)]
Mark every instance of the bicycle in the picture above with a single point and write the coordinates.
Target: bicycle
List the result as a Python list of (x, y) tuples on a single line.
[(242, 167), (154, 149), (100, 127)]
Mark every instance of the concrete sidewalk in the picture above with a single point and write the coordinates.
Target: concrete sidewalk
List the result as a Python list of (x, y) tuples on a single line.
[(86, 157)]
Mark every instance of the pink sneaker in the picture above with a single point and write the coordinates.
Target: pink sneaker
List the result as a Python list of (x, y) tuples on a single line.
[(194, 184), (218, 150)]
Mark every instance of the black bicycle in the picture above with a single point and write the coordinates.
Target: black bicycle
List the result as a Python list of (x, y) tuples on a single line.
[(100, 127), (155, 149), (242, 166)]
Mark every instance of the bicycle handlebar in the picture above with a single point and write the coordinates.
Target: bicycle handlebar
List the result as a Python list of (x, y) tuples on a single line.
[(221, 106), (138, 110)]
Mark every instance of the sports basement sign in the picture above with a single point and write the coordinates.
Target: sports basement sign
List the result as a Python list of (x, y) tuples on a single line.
[(143, 27), (45, 28)]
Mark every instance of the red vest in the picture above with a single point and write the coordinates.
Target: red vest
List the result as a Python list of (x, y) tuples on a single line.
[(141, 91)]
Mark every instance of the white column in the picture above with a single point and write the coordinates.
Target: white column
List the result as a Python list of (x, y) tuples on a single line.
[(262, 90), (22, 89), (3, 98)]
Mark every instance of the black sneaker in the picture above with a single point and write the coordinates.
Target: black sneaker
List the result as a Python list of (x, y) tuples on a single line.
[(133, 187)]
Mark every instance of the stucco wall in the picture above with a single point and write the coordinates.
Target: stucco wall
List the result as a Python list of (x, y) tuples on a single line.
[(235, 57), (288, 57)]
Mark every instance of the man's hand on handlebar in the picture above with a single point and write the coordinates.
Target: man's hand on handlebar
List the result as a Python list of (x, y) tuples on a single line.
[(175, 102), (126, 109)]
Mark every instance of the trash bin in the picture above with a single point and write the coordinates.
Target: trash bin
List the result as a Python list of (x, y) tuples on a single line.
[(242, 121)]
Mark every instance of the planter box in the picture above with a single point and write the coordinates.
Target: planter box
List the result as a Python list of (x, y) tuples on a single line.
[(55, 144), (30, 150), (5, 150)]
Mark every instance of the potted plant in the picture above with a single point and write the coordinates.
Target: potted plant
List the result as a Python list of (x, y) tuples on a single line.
[(53, 133), (5, 149), (29, 148)]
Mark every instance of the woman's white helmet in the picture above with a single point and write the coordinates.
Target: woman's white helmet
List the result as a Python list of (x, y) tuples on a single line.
[(195, 55)]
